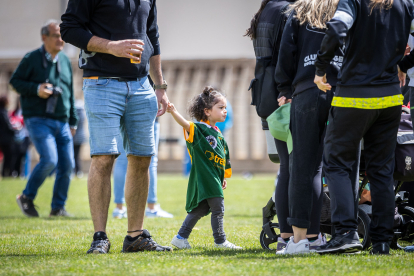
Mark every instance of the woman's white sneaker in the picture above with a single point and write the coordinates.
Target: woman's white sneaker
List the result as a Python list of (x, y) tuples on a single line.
[(180, 243), (228, 245), (302, 247)]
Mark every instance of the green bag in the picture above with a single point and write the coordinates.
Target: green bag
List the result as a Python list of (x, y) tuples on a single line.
[(279, 122)]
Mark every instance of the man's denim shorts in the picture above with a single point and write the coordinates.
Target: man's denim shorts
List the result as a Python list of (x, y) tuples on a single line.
[(116, 108)]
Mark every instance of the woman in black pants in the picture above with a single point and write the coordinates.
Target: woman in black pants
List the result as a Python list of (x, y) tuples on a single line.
[(367, 104), (7, 145), (295, 72), (262, 31)]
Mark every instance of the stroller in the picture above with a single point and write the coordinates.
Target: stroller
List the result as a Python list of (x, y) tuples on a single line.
[(404, 217)]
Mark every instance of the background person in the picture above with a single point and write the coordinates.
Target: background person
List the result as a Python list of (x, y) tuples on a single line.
[(153, 209), (22, 140), (80, 137), (119, 47), (50, 118), (7, 144)]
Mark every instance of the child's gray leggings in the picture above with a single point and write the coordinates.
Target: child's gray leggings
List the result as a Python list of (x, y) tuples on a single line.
[(216, 205)]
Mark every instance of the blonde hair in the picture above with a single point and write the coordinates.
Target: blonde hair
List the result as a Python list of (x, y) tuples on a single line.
[(314, 12), (387, 4)]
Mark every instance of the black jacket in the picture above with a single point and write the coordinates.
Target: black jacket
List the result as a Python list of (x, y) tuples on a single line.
[(112, 20), (295, 70), (265, 32), (375, 43)]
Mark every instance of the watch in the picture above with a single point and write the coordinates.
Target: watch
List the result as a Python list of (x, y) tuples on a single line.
[(162, 86)]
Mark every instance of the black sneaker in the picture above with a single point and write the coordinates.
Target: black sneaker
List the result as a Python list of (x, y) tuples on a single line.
[(341, 243), (143, 242), (380, 248), (27, 206), (59, 213), (100, 244)]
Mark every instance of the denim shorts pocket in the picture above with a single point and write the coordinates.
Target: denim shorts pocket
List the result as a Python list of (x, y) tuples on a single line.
[(307, 101), (98, 82)]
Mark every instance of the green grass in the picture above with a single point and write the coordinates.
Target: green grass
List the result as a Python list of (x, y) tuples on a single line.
[(46, 246)]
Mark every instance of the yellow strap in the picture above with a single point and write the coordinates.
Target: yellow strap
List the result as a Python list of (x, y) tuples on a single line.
[(91, 78), (368, 103)]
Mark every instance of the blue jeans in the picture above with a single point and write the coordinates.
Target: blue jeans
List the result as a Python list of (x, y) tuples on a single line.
[(120, 169), (53, 142), (117, 109)]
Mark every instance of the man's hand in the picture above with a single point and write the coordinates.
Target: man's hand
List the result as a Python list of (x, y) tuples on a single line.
[(126, 48), (407, 50), (224, 185), (322, 83), (402, 77), (282, 101), (73, 131), (162, 100), (43, 91)]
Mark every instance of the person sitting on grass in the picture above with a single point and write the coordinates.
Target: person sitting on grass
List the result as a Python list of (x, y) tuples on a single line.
[(210, 166)]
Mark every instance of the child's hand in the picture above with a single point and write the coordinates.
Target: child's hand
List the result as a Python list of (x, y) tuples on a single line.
[(224, 185), (171, 108)]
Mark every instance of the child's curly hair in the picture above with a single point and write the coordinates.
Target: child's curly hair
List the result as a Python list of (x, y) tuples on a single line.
[(207, 99)]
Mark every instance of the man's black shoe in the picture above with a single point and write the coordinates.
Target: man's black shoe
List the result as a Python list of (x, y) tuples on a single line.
[(27, 206), (143, 242), (380, 248), (59, 213), (100, 244), (342, 243)]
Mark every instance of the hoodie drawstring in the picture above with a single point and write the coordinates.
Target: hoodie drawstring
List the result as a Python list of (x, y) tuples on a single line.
[(130, 6)]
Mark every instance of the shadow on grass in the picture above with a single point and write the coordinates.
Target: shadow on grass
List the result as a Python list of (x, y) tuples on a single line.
[(45, 218), (250, 253)]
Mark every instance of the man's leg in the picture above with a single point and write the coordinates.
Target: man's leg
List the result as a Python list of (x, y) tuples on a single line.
[(136, 192), (99, 189), (64, 170)]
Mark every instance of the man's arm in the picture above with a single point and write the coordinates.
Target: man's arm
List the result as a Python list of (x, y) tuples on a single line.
[(74, 30), (73, 117), (152, 29), (156, 76), (19, 79)]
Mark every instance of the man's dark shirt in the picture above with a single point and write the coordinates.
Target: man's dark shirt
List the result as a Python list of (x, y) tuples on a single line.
[(112, 20)]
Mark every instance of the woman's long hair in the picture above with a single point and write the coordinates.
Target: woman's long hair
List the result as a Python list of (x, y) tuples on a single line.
[(314, 12), (387, 4), (251, 32)]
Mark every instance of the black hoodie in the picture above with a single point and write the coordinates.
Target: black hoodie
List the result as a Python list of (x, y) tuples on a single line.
[(375, 43), (112, 20), (295, 70)]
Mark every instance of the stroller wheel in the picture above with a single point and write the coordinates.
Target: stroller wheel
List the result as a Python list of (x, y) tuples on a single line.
[(268, 241), (363, 228), (406, 236)]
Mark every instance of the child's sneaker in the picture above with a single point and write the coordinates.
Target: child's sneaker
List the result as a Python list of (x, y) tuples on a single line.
[(180, 242), (228, 245), (280, 244), (302, 247), (318, 242), (119, 213)]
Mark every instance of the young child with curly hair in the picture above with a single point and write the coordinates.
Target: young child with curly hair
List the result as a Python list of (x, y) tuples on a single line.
[(210, 166)]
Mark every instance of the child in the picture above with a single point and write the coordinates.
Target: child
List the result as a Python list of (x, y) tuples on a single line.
[(210, 166)]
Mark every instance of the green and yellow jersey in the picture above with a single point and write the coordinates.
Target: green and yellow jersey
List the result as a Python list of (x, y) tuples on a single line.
[(210, 161)]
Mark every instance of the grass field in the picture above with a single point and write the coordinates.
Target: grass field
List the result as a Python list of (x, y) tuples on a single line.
[(46, 246)]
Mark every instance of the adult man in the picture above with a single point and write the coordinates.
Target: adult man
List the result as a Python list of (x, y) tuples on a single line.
[(119, 42), (44, 81)]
